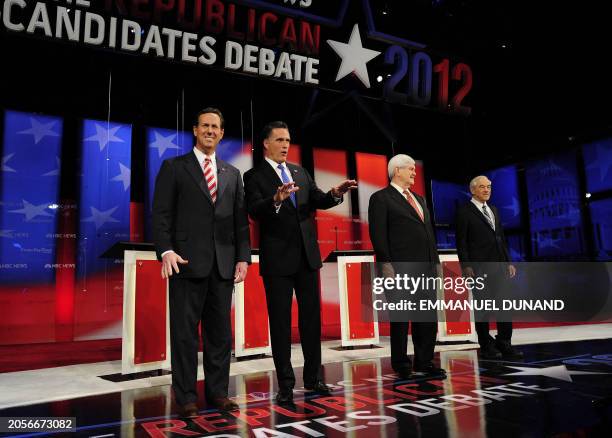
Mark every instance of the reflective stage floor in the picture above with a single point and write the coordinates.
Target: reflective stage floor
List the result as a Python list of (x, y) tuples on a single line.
[(560, 390)]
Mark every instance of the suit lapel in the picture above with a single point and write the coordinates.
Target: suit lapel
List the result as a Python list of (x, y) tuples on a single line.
[(196, 172), (401, 200), (480, 215), (300, 180), (222, 177)]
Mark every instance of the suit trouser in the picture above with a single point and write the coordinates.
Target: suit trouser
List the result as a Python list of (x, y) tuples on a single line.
[(423, 339), (207, 301), (495, 280), (279, 295)]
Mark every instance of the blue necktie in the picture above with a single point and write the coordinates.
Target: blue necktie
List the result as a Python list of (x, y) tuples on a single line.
[(286, 179)]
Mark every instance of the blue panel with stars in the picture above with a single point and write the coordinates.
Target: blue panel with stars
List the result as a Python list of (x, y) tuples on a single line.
[(504, 195), (104, 207), (446, 198), (598, 165), (161, 145), (29, 180), (554, 206)]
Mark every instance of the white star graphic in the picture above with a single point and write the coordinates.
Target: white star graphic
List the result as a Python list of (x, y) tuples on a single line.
[(39, 130), (5, 160), (354, 57), (31, 210), (559, 372), (124, 176), (104, 136), (514, 207), (55, 171), (162, 143), (101, 217)]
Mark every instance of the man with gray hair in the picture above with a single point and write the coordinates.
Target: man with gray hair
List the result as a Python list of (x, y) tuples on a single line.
[(482, 250), (403, 238)]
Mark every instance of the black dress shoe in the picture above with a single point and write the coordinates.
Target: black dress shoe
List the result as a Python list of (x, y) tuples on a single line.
[(223, 404), (404, 373), (189, 410), (430, 370), (490, 352), (284, 396), (319, 387), (507, 350)]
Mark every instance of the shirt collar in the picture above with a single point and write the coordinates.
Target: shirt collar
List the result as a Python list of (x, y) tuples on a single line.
[(479, 204), (274, 164), (201, 156), (399, 188)]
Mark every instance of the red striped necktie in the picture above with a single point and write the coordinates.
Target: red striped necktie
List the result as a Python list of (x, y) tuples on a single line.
[(211, 181), (412, 202)]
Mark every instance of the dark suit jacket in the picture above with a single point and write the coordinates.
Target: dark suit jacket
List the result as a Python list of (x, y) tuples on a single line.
[(476, 240), (396, 230), (282, 235), (186, 220)]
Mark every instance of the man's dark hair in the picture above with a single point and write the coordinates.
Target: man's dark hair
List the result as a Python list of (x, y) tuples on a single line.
[(209, 110), (267, 130)]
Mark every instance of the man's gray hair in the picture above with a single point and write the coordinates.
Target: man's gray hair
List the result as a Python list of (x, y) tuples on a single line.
[(399, 160), (474, 181)]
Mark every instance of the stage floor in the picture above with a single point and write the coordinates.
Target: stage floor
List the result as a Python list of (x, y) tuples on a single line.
[(551, 393)]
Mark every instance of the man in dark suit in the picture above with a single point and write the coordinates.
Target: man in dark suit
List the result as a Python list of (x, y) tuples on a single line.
[(200, 223), (481, 246), (404, 241), (282, 197)]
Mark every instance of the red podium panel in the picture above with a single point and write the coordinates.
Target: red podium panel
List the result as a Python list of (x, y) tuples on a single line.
[(150, 324), (256, 332), (252, 332), (358, 328)]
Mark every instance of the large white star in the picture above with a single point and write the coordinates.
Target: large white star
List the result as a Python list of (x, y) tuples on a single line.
[(124, 176), (162, 143), (354, 57), (39, 130), (104, 136), (101, 217), (5, 160), (55, 171), (559, 372), (514, 207), (31, 210)]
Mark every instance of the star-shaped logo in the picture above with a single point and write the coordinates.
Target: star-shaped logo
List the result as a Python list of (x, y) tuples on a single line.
[(514, 207), (162, 144), (31, 210), (124, 176), (101, 217), (39, 130), (5, 160), (55, 171), (354, 57), (104, 136), (559, 372)]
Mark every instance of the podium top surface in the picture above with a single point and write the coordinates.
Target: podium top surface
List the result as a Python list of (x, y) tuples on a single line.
[(333, 256), (116, 251)]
